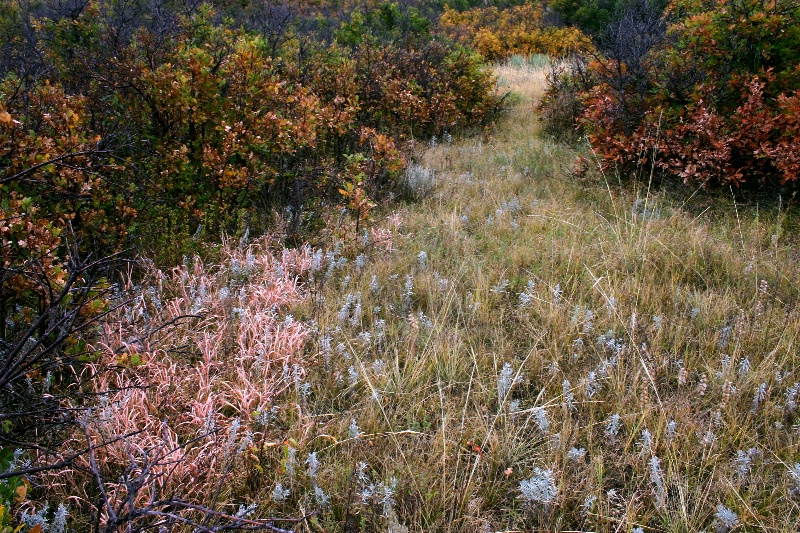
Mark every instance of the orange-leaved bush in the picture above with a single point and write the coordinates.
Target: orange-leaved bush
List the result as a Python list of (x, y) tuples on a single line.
[(713, 100), (219, 122), (500, 33)]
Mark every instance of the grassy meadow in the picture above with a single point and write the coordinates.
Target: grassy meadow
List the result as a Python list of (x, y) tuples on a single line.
[(518, 350), (516, 346)]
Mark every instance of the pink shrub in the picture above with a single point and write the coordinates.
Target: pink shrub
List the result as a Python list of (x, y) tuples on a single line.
[(189, 363)]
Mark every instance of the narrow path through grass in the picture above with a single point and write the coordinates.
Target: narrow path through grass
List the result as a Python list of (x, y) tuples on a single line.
[(534, 352)]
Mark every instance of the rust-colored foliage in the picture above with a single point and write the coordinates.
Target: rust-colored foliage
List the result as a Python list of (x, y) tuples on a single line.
[(54, 186), (718, 103)]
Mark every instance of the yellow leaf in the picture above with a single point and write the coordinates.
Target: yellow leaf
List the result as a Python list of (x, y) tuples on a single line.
[(5, 118)]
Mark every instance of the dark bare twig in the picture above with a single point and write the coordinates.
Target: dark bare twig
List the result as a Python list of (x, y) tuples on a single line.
[(54, 160)]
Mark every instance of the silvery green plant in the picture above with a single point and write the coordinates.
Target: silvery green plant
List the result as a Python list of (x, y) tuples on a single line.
[(313, 465), (724, 337), (540, 415), (317, 260), (386, 491), (37, 519), (505, 381), (744, 367), (588, 505), (613, 426), (245, 511), (443, 282), (527, 297), (352, 376), (592, 384), (791, 397), (233, 432), (326, 348), (759, 396), (541, 488), (725, 519), (569, 397), (344, 312), (380, 329), (353, 431), (279, 494), (59, 522), (408, 290), (657, 480), (794, 479), (744, 461), (355, 320), (575, 455), (320, 496), (672, 427), (290, 460), (645, 442), (500, 287), (419, 180), (425, 321)]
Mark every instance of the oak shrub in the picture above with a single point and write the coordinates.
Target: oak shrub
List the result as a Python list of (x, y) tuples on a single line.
[(518, 30), (709, 94)]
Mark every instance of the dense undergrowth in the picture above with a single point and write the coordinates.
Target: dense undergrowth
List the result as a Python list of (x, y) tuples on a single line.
[(135, 133)]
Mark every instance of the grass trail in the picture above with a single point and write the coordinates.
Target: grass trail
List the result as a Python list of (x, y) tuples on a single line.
[(521, 350)]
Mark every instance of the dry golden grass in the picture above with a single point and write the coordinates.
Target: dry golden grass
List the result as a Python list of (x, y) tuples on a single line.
[(602, 301), (525, 78), (521, 350)]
